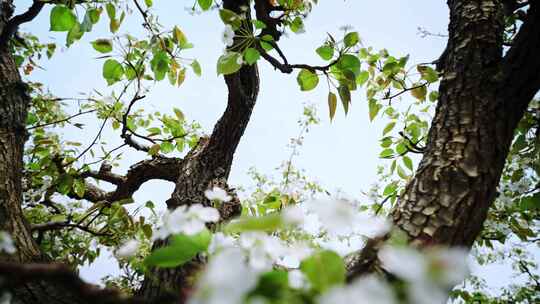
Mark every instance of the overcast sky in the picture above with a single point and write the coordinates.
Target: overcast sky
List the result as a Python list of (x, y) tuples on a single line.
[(340, 155)]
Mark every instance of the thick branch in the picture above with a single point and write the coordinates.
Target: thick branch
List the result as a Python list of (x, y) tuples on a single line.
[(12, 25), (59, 276)]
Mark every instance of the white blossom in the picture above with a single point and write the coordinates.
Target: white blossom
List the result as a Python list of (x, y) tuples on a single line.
[(263, 250), (5, 298), (366, 290), (217, 194), (189, 220), (226, 279), (240, 60), (6, 243), (297, 279), (228, 35), (404, 262), (220, 241), (128, 249), (293, 215)]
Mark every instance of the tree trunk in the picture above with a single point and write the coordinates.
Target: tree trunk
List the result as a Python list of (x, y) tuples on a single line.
[(482, 98), (208, 165)]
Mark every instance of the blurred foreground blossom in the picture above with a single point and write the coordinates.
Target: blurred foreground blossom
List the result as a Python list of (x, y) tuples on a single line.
[(227, 279), (365, 290), (430, 274)]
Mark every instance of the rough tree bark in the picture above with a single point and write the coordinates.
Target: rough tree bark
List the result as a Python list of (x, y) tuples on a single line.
[(483, 95), (207, 165)]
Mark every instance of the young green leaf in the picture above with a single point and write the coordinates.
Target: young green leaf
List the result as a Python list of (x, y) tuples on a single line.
[(229, 63), (251, 55), (325, 52), (62, 18), (102, 45), (195, 65), (205, 4), (351, 39), (112, 71), (182, 249), (345, 96), (324, 269), (332, 104), (307, 80)]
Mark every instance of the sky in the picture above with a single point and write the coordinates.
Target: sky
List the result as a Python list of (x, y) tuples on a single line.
[(342, 154)]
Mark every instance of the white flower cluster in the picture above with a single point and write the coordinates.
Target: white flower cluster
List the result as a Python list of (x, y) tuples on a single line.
[(6, 243), (188, 220), (368, 290), (340, 218), (430, 275)]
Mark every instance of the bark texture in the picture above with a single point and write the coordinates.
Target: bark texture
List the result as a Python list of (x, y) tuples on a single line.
[(483, 95), (208, 165), (14, 101)]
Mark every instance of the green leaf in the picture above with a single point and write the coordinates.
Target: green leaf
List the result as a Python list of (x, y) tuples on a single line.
[(111, 10), (251, 55), (79, 187), (390, 188), (62, 19), (419, 92), (374, 108), (433, 96), (262, 223), (160, 65), (102, 45), (166, 147), (326, 52), (297, 25), (349, 62), (351, 39), (65, 183), (94, 14), (332, 104), (205, 4), (428, 73), (179, 36), (324, 269), (386, 153), (182, 249), (229, 63), (389, 127), (230, 17), (148, 3), (74, 34), (154, 149), (362, 78), (401, 172), (196, 66), (112, 71), (407, 162), (345, 96), (307, 80)]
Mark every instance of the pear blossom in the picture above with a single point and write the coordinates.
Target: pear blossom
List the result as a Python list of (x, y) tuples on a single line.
[(220, 241), (263, 250), (128, 249), (404, 262), (226, 279), (6, 243), (217, 194), (293, 254), (365, 290), (293, 215), (189, 220), (228, 35), (5, 298), (297, 279)]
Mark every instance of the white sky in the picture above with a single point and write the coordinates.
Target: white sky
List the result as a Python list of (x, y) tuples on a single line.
[(340, 155)]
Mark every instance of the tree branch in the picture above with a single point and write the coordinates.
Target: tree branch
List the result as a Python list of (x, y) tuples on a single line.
[(13, 24), (71, 286)]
